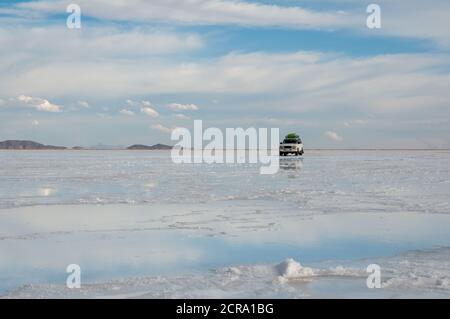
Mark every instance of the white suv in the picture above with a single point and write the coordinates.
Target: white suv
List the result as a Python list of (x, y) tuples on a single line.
[(292, 144)]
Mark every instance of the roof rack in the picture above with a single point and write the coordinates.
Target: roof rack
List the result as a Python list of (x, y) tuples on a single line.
[(292, 135)]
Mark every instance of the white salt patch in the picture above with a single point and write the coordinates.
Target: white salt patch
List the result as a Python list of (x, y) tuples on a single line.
[(291, 269), (235, 270)]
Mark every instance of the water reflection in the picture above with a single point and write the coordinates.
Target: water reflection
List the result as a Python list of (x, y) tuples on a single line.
[(292, 164), (46, 191), (37, 243)]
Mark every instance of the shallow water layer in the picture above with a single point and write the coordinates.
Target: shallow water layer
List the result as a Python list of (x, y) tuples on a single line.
[(124, 241), (186, 230)]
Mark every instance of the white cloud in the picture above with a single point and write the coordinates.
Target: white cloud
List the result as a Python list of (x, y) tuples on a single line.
[(333, 136), (220, 12), (35, 122), (182, 107), (146, 107), (137, 104), (83, 104), (161, 128), (97, 44), (126, 112), (303, 80), (147, 103), (149, 111), (38, 103), (418, 19)]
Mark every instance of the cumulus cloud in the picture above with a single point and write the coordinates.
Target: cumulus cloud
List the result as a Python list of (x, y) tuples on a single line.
[(182, 107), (38, 103), (333, 136), (35, 122), (146, 107), (149, 111), (126, 112), (161, 128)]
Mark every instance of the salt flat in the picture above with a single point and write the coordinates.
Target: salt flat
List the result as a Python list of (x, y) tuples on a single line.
[(141, 226)]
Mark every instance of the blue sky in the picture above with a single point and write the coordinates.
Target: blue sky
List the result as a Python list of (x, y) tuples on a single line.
[(135, 71)]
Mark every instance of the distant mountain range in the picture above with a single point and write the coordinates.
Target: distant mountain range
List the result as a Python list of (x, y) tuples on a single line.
[(27, 145), (30, 145), (101, 146), (146, 147)]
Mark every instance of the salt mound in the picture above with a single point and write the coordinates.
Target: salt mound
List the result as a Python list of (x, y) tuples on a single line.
[(293, 269)]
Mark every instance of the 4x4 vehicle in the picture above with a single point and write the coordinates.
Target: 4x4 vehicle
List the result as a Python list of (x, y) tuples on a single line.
[(292, 144)]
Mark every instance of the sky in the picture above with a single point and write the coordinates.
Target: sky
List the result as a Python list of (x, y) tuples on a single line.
[(137, 69)]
